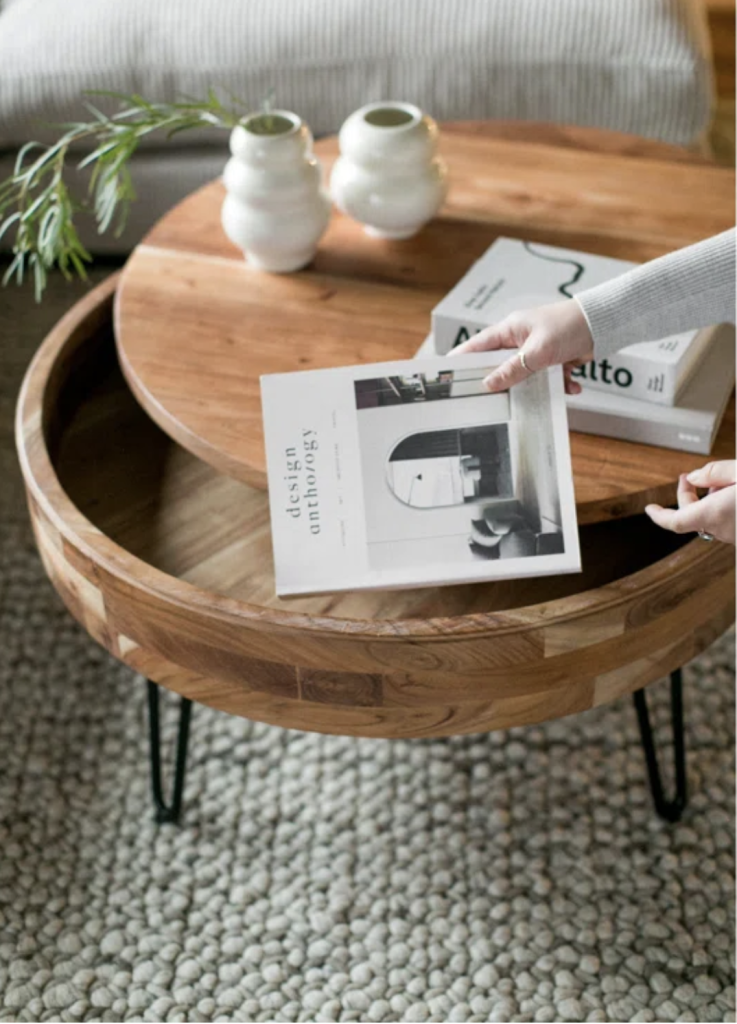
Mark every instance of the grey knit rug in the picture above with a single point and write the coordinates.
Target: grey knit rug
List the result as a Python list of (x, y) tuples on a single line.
[(517, 876)]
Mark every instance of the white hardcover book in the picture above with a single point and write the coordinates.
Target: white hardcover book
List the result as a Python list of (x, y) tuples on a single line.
[(690, 426), (514, 275), (410, 474)]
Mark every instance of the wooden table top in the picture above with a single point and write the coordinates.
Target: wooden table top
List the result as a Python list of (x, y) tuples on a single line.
[(196, 326)]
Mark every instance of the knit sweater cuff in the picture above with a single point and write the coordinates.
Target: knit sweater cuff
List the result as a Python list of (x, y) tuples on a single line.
[(690, 288)]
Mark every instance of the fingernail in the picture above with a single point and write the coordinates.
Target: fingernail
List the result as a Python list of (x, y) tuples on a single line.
[(693, 476), (489, 383)]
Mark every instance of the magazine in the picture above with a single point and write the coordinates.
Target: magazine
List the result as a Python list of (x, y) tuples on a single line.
[(514, 275), (411, 474)]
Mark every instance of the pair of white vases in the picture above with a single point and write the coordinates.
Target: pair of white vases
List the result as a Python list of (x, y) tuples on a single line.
[(388, 177)]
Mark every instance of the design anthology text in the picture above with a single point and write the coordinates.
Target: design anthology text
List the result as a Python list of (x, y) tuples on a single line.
[(301, 481)]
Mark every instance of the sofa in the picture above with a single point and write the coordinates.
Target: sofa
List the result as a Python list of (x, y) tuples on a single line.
[(640, 66)]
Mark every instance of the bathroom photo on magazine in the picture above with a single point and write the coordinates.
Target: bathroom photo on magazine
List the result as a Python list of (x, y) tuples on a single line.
[(416, 475)]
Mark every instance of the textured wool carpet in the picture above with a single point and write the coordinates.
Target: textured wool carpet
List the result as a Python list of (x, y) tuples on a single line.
[(518, 876)]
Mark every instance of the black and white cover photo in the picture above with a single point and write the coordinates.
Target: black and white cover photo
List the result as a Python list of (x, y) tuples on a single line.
[(411, 474)]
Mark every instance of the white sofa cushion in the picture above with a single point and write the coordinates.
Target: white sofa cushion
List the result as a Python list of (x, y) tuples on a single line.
[(634, 65)]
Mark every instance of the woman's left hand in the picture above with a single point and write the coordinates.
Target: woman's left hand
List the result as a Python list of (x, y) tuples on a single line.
[(713, 514)]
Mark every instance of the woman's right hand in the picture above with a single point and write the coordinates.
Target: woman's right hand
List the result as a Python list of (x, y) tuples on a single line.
[(546, 335)]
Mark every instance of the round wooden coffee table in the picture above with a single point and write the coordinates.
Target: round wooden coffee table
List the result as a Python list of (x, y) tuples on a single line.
[(196, 327), (166, 561)]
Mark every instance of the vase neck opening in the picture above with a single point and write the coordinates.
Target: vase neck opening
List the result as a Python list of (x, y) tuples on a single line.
[(271, 125), (392, 115)]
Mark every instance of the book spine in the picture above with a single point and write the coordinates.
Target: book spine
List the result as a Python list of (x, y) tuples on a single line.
[(640, 430), (630, 377)]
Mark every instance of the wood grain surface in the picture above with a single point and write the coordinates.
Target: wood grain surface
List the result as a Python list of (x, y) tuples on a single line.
[(196, 327), (168, 565)]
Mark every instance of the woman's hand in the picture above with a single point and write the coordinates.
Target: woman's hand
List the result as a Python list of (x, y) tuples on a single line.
[(714, 513), (546, 336)]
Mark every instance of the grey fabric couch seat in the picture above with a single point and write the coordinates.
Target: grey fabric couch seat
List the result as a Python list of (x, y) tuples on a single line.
[(639, 66)]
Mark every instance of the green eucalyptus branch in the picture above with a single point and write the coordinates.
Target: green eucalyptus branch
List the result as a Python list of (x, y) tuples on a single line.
[(35, 202)]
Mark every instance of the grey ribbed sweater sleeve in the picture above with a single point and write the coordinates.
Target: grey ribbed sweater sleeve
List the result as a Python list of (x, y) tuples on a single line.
[(689, 288)]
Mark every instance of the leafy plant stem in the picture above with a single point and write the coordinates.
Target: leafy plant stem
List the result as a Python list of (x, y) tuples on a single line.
[(35, 203)]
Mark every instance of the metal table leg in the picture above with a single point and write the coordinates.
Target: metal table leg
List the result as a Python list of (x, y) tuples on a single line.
[(167, 812), (670, 810)]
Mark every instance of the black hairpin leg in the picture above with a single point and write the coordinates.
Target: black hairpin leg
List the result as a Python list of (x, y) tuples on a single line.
[(167, 812), (671, 810)]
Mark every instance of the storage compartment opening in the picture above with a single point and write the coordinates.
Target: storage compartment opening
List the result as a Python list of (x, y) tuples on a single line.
[(175, 512)]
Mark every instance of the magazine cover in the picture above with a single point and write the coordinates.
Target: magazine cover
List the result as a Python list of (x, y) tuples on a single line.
[(410, 474)]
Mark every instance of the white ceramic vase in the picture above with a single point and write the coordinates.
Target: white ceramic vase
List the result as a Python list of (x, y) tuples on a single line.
[(276, 207), (388, 176)]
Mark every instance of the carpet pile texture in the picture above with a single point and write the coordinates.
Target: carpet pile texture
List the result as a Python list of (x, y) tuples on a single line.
[(517, 876)]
